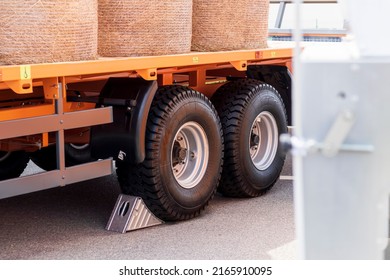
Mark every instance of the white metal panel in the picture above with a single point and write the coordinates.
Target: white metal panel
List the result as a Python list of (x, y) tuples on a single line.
[(343, 199)]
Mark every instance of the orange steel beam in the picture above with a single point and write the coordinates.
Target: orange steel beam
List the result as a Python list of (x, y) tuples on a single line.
[(26, 112), (197, 78), (144, 65), (165, 79)]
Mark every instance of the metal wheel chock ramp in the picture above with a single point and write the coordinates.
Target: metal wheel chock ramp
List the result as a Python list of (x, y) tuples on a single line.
[(130, 213)]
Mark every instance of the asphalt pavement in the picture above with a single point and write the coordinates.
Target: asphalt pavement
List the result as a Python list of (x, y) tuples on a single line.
[(69, 223)]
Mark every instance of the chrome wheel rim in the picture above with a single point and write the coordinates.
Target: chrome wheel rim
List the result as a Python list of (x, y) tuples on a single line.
[(189, 155), (4, 156), (263, 140), (79, 146)]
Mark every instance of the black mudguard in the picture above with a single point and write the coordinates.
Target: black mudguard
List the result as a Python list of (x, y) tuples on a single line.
[(124, 139)]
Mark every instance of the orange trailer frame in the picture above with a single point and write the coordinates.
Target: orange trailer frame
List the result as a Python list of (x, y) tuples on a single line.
[(28, 125)]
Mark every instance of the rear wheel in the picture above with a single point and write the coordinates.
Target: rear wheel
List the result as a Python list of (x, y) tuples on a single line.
[(181, 171), (12, 164), (253, 117), (46, 158)]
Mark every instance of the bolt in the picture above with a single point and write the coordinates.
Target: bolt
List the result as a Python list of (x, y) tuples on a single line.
[(179, 138), (342, 95)]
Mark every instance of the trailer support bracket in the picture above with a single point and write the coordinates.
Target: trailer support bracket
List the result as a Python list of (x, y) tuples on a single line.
[(240, 65)]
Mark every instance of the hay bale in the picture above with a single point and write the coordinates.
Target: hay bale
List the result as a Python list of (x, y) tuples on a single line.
[(144, 27), (38, 31), (229, 24)]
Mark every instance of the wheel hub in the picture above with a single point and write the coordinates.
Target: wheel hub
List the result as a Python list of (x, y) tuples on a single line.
[(255, 139), (263, 140), (189, 156), (179, 154)]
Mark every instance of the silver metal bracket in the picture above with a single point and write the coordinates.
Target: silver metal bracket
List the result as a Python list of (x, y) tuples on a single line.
[(130, 213), (337, 133), (300, 147), (333, 142)]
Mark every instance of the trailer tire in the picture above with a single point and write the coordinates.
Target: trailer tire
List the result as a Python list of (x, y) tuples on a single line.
[(46, 158), (253, 117), (77, 154), (279, 78), (180, 173), (12, 164)]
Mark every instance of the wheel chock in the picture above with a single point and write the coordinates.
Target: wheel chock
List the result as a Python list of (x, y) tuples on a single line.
[(130, 213)]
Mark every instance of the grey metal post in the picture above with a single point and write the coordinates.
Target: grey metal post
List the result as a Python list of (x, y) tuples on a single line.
[(279, 18), (60, 137)]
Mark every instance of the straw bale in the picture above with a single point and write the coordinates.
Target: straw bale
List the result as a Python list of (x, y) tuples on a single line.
[(229, 24), (39, 31), (144, 27)]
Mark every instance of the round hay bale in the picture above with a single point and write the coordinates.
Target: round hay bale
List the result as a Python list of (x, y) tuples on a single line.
[(220, 25), (40, 31), (144, 27)]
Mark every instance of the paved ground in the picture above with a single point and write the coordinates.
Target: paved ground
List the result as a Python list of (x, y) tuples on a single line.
[(69, 223)]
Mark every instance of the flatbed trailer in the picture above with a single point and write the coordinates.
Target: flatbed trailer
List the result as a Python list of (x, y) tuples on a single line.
[(153, 117)]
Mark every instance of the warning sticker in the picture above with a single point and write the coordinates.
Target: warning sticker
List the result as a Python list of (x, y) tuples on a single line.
[(25, 72)]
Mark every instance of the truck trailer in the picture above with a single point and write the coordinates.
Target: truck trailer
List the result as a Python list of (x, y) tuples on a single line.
[(176, 128)]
